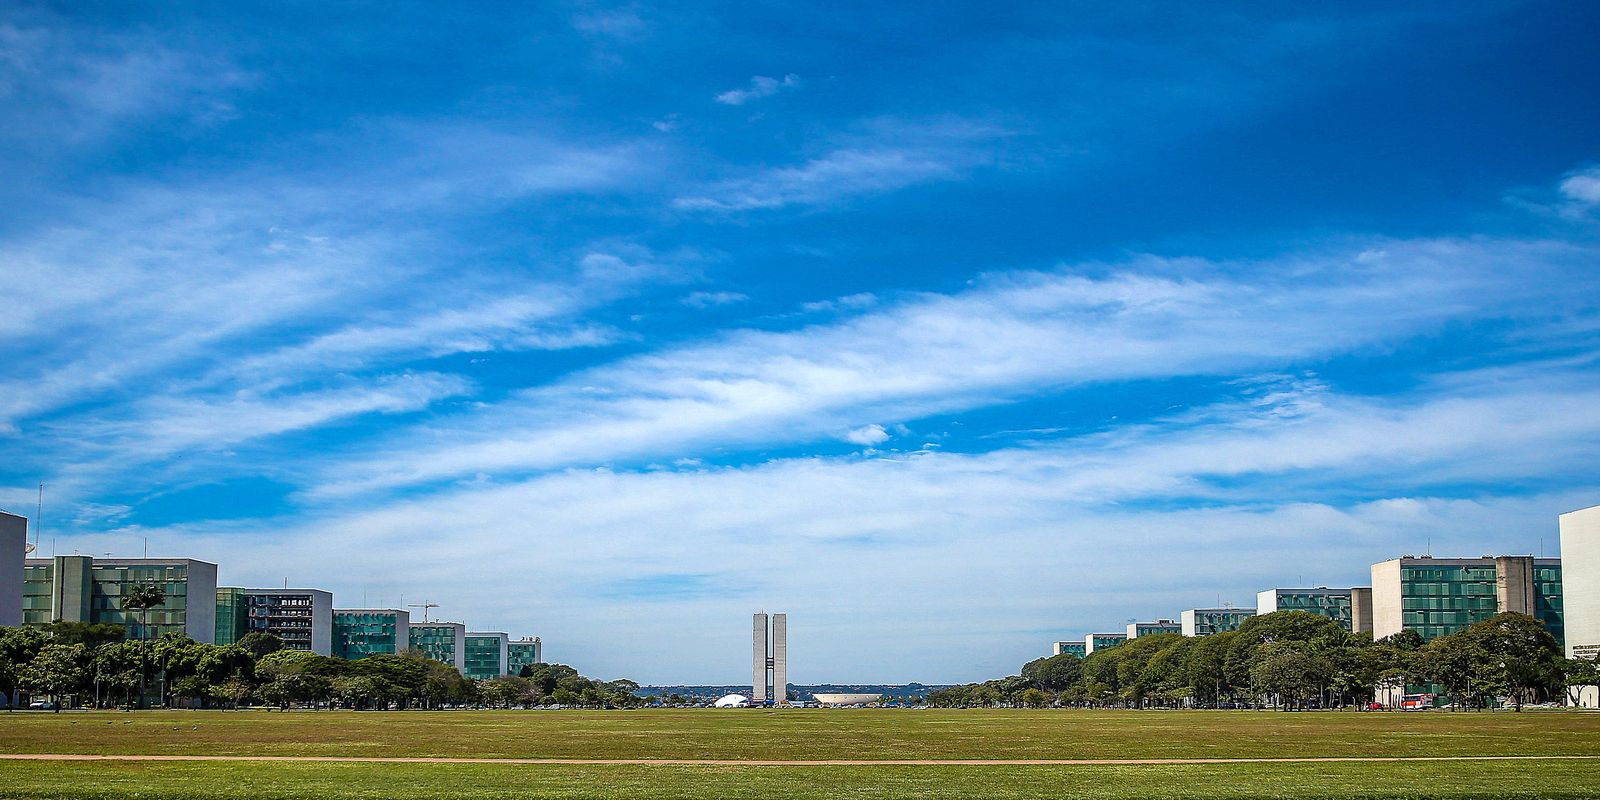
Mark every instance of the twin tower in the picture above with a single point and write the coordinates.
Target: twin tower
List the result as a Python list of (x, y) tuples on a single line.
[(769, 659)]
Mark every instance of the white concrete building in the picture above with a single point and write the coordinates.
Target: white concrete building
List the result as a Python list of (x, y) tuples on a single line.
[(1580, 589)]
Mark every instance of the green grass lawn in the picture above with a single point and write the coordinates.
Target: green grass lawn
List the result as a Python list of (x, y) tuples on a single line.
[(802, 734), (121, 781), (805, 733)]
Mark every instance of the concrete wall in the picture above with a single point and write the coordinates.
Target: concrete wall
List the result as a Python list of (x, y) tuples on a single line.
[(200, 613), (1580, 581), (72, 589), (1387, 616), (780, 658), (1514, 584), (13, 550), (1267, 601), (1361, 609), (758, 658)]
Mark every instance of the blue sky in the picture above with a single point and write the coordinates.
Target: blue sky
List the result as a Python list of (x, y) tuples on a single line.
[(951, 332)]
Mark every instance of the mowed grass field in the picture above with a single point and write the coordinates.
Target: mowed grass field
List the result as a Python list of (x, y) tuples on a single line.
[(933, 735)]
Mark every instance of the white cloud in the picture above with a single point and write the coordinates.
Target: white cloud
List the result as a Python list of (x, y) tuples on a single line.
[(709, 299), (760, 86), (1014, 334), (893, 155), (1021, 517), (1582, 187), (868, 435)]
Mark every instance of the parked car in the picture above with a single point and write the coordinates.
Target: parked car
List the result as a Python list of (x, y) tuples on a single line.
[(42, 705), (1374, 706)]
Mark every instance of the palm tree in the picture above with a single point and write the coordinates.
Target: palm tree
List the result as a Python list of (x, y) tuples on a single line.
[(142, 598)]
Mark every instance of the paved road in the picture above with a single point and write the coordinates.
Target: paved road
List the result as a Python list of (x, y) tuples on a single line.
[(830, 762)]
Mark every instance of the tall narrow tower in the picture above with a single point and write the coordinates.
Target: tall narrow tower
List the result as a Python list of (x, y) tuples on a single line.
[(769, 659)]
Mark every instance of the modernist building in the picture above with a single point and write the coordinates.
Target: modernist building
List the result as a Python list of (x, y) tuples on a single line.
[(1137, 629), (487, 655), (362, 632), (523, 653), (1439, 596), (441, 641), (1076, 648), (302, 618), (87, 589), (1207, 621), (1580, 563), (1102, 641), (1335, 604), (769, 659), (13, 550)]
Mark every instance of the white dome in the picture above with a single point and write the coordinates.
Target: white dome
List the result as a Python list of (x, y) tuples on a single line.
[(733, 701)]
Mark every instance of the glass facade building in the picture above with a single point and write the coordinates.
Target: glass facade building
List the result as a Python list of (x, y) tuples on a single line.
[(362, 632), (1208, 621), (86, 589), (1440, 596), (1076, 648), (1137, 629), (486, 655), (523, 653), (1102, 641), (441, 641), (302, 618), (1334, 604)]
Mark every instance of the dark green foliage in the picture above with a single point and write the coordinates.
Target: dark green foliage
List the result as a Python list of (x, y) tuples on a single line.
[(1290, 660)]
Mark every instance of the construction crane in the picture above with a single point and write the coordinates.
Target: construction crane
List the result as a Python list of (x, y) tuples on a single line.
[(424, 607)]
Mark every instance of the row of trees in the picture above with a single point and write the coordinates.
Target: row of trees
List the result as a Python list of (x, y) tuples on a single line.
[(94, 664), (1294, 660)]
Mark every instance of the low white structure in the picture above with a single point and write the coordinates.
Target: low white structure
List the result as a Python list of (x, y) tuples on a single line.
[(732, 701), (845, 698)]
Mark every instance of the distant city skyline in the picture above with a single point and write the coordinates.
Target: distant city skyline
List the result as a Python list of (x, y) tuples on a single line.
[(951, 332)]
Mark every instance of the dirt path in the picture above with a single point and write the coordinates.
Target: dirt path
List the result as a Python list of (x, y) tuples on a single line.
[(829, 762)]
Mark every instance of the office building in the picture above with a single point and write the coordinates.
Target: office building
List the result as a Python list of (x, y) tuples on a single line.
[(769, 659), (1439, 596), (1137, 629), (1207, 621), (302, 618), (1102, 641), (88, 589), (523, 653), (13, 551), (486, 656), (1322, 601), (441, 641), (1076, 648), (362, 632), (1580, 566)]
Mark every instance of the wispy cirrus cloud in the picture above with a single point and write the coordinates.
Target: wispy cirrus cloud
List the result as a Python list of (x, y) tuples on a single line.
[(1016, 334), (760, 86), (892, 155)]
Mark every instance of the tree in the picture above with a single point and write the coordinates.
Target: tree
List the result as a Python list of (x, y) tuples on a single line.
[(1055, 673), (140, 598), (57, 670), (260, 643), (1455, 662), (1292, 672), (1578, 673), (18, 646), (88, 634), (1524, 661)]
